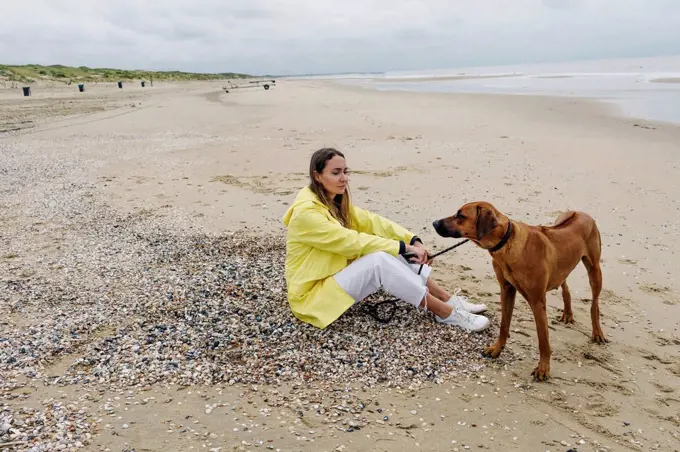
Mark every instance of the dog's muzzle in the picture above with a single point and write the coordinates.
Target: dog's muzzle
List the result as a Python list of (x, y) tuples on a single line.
[(438, 226), (443, 231)]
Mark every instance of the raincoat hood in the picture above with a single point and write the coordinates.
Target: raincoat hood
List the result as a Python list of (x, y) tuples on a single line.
[(305, 197)]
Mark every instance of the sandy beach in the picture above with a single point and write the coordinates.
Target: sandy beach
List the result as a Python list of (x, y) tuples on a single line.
[(111, 201)]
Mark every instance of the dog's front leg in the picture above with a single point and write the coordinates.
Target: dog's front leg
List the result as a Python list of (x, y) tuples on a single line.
[(538, 306), (508, 293)]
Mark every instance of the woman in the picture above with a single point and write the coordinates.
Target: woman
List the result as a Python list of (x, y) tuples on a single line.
[(337, 254)]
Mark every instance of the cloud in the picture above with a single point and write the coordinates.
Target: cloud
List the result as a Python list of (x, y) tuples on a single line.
[(301, 36)]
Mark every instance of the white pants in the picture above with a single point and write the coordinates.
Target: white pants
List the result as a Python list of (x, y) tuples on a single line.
[(395, 275)]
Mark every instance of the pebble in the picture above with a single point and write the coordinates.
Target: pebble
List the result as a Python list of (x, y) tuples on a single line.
[(212, 313)]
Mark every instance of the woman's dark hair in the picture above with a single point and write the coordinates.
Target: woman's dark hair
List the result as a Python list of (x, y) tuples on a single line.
[(338, 205)]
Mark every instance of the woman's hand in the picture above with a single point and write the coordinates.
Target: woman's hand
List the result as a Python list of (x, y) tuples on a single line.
[(420, 245), (421, 255)]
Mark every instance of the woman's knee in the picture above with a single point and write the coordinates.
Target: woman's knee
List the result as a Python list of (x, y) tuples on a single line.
[(380, 258)]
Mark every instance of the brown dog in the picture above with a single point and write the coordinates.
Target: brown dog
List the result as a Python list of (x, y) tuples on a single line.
[(532, 260)]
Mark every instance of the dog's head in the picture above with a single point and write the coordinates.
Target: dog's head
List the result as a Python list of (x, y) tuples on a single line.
[(473, 221)]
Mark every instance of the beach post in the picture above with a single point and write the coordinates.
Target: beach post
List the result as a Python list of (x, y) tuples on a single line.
[(81, 87), (27, 90), (120, 84)]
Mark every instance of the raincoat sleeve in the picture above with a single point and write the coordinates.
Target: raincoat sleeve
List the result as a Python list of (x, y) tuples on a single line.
[(311, 227), (374, 224)]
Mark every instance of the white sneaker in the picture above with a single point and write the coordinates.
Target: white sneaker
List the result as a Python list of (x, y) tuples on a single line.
[(465, 320), (461, 302)]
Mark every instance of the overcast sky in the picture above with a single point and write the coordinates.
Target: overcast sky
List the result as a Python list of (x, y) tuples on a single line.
[(322, 36)]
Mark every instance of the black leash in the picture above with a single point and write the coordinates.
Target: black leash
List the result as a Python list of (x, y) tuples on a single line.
[(441, 252), (384, 311)]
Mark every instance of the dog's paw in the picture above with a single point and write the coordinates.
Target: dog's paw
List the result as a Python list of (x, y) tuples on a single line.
[(598, 337), (567, 317), (492, 351), (541, 372)]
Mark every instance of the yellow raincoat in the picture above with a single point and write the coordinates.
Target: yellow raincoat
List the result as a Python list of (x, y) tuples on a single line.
[(318, 247)]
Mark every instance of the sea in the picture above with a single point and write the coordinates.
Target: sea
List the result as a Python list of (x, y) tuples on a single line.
[(645, 88)]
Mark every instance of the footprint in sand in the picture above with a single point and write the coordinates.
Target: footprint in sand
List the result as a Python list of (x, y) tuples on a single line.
[(674, 369), (610, 296), (597, 405), (654, 412), (140, 179), (665, 293), (654, 357), (247, 183), (604, 386), (664, 341), (588, 354), (663, 388)]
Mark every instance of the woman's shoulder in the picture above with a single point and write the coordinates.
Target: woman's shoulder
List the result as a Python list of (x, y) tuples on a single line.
[(358, 210), (306, 194), (305, 202)]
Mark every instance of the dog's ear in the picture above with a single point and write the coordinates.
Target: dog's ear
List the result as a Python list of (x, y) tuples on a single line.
[(486, 222)]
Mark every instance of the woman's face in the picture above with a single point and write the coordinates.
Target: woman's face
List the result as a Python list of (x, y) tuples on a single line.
[(335, 176)]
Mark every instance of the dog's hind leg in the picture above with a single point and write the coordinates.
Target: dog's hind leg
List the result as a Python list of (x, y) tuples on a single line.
[(592, 263), (567, 313)]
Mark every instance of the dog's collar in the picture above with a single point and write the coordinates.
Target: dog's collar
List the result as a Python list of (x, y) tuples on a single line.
[(504, 240)]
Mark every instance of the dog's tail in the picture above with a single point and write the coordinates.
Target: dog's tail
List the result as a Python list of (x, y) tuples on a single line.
[(563, 218)]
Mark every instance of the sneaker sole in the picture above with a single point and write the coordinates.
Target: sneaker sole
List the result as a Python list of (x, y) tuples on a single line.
[(471, 312), (481, 329), (439, 321)]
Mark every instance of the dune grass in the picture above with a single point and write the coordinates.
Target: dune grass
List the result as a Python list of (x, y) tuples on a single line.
[(31, 73)]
